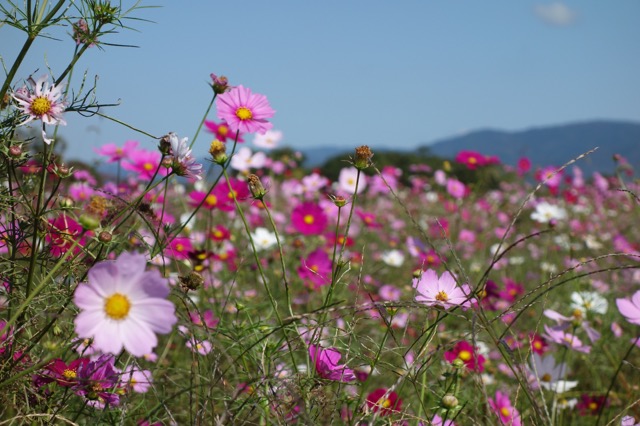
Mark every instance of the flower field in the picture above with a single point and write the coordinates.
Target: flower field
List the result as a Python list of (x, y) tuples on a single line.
[(247, 289)]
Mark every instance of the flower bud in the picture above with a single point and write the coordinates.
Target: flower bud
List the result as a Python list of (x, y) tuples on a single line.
[(458, 363), (363, 157), (89, 222), (256, 187), (165, 145), (191, 281), (15, 151), (338, 200), (218, 151), (449, 401), (219, 84), (105, 237)]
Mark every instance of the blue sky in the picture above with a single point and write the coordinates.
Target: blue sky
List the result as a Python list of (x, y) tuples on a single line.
[(344, 73)]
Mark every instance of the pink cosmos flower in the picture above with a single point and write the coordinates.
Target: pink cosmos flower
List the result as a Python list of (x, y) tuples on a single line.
[(524, 165), (465, 352), (63, 232), (327, 367), (384, 401), (124, 306), (144, 163), (501, 406), (201, 347), (456, 189), (630, 309), (309, 218), (269, 140), (442, 291), (136, 380), (557, 335), (315, 270), (471, 159), (244, 111), (98, 381), (41, 102), (183, 162), (116, 153), (222, 131), (179, 248)]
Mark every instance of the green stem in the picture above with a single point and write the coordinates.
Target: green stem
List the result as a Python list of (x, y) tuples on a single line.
[(193, 141)]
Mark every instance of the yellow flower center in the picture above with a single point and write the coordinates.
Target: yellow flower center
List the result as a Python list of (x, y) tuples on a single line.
[(69, 374), (314, 268), (593, 406), (546, 377), (212, 200), (117, 306), (223, 130), (147, 166), (464, 355), (40, 106), (442, 296), (537, 344), (308, 219), (386, 403), (199, 346), (179, 248), (244, 113), (472, 160), (217, 234), (505, 412)]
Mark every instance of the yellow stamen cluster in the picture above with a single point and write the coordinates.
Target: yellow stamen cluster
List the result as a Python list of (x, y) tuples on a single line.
[(40, 106), (117, 306)]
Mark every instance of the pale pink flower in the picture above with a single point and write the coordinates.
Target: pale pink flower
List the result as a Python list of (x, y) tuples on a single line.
[(123, 306), (244, 159), (442, 291), (630, 309), (347, 180), (269, 140)]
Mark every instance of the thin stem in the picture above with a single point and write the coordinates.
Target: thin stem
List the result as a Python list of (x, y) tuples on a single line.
[(193, 141)]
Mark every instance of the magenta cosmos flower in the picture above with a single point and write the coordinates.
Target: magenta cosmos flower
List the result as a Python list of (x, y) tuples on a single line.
[(384, 401), (507, 413), (465, 352), (41, 102), (630, 309), (443, 291), (124, 305), (309, 218), (244, 111), (327, 367)]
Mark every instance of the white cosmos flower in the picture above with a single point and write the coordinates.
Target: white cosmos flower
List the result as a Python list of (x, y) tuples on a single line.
[(263, 239), (549, 374), (393, 258), (546, 213), (589, 301)]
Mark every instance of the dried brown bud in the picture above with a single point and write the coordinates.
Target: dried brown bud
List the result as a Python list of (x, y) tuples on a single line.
[(105, 237), (256, 187), (191, 281), (15, 151), (363, 157)]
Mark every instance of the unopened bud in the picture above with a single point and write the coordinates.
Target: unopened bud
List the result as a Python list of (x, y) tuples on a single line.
[(167, 162), (105, 237), (363, 157), (15, 151), (218, 151), (89, 222), (256, 187), (458, 363), (219, 84), (65, 202), (165, 145), (449, 401), (338, 200)]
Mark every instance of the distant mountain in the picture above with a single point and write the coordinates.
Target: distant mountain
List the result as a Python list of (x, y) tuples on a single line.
[(553, 145)]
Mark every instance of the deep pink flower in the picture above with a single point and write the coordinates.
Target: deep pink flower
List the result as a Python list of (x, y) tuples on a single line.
[(179, 248), (630, 309), (471, 159), (144, 163), (63, 232), (222, 131), (442, 291), (590, 405), (315, 270), (465, 352), (309, 218), (124, 305), (501, 406), (116, 153), (207, 318), (210, 201), (369, 219), (244, 111), (98, 381), (64, 374), (327, 367), (384, 401)]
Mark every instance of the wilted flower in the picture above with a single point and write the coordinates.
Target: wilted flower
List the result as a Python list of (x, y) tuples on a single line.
[(183, 162)]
